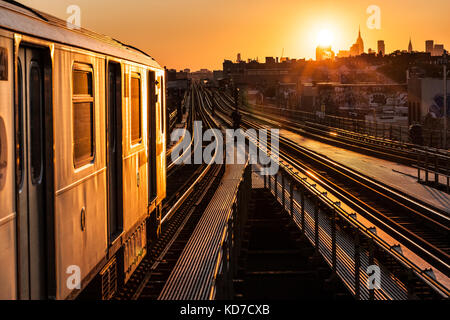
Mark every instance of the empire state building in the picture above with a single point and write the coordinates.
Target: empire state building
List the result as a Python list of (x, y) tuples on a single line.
[(357, 48)]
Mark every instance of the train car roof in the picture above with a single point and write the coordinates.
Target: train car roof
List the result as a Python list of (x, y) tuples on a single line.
[(22, 19)]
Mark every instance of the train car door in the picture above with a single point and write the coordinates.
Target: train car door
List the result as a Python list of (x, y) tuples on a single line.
[(32, 171), (114, 152)]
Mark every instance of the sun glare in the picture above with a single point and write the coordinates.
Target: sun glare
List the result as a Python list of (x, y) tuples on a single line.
[(324, 37)]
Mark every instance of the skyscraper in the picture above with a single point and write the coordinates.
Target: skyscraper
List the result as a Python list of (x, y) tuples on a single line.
[(438, 50), (381, 47), (358, 47), (360, 42), (429, 46), (410, 47)]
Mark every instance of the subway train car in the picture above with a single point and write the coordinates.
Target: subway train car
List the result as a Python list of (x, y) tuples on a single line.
[(82, 156)]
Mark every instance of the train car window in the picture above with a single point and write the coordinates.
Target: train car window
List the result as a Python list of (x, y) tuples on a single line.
[(82, 82), (162, 88), (152, 177), (83, 115), (3, 64), (36, 104), (136, 113), (3, 154), (19, 126)]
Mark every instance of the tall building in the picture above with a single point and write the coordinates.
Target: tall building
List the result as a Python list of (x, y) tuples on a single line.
[(410, 47), (438, 50), (360, 42), (238, 58), (381, 47), (354, 50), (324, 53), (429, 46), (358, 47)]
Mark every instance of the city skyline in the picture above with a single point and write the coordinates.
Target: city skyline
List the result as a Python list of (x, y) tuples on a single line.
[(217, 30)]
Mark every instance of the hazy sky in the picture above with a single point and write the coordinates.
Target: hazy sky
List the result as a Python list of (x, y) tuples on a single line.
[(202, 33)]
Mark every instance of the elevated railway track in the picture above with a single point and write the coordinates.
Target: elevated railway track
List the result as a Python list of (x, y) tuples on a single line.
[(423, 229), (433, 164)]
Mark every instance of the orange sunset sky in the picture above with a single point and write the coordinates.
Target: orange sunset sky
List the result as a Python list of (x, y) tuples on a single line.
[(201, 33)]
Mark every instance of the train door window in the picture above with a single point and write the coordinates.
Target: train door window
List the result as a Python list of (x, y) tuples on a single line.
[(136, 113), (20, 129), (36, 112), (3, 154), (152, 134), (161, 113), (3, 64), (83, 115)]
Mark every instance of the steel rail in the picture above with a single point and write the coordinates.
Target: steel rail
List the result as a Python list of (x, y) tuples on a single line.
[(188, 192), (191, 119), (309, 118), (414, 241), (386, 246)]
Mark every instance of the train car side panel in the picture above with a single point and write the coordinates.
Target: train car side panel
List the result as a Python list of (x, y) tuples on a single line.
[(8, 274), (161, 137), (134, 166), (134, 142), (80, 203)]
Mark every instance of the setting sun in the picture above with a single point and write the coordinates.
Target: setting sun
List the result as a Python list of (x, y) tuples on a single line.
[(324, 37)]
